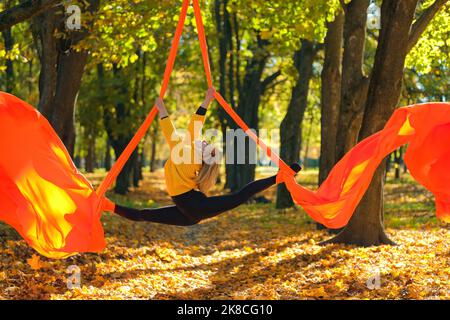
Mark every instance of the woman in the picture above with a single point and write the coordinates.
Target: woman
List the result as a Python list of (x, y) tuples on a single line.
[(188, 181)]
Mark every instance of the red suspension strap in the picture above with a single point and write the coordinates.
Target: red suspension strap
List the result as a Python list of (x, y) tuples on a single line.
[(203, 45), (273, 155), (120, 163), (202, 41)]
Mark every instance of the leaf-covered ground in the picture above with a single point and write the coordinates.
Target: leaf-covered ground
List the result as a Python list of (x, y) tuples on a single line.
[(253, 252)]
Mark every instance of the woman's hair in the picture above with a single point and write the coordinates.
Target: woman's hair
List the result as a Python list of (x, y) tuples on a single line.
[(207, 176)]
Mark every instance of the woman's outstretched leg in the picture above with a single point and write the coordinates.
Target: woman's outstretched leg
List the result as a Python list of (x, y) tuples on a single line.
[(209, 207), (194, 206), (165, 215), (212, 206)]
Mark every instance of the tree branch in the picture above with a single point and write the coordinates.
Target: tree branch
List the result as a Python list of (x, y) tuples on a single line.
[(318, 47), (24, 11), (422, 23), (274, 84), (269, 80), (343, 5)]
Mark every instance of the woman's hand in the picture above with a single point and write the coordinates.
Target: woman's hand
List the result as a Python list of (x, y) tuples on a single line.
[(159, 103), (209, 97)]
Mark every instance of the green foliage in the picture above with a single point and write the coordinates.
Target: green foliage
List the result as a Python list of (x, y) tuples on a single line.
[(432, 50), (122, 31), (122, 27), (286, 22)]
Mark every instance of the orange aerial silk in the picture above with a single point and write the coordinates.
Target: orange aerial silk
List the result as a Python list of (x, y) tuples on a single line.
[(56, 210), (42, 195)]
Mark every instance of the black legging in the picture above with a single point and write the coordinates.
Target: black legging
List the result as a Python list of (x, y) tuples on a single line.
[(192, 207)]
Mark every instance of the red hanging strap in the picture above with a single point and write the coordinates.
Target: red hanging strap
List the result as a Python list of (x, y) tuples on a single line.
[(120, 163), (273, 155), (118, 166), (202, 41), (203, 46), (174, 48)]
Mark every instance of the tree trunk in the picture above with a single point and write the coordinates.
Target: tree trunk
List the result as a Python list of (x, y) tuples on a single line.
[(123, 181), (124, 178), (61, 71), (354, 82), (120, 141), (30, 78), (388, 165), (90, 157), (223, 27), (291, 126), (398, 160), (139, 100), (70, 71), (253, 87), (108, 162), (308, 141), (154, 142), (102, 94), (9, 44), (366, 226), (113, 121), (231, 171), (331, 95), (137, 168)]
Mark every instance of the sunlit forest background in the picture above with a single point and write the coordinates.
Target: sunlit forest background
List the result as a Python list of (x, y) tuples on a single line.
[(319, 73)]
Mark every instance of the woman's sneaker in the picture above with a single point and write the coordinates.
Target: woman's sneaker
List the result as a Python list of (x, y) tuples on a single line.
[(281, 176), (297, 166)]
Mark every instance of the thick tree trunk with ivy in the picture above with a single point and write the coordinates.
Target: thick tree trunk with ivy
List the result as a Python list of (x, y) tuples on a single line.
[(353, 85), (61, 70), (331, 95), (354, 82), (366, 225), (291, 126)]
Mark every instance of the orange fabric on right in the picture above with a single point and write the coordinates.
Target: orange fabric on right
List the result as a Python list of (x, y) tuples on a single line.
[(426, 127)]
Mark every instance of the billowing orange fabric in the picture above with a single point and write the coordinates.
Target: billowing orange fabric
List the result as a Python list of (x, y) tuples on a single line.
[(56, 210), (426, 127), (42, 194)]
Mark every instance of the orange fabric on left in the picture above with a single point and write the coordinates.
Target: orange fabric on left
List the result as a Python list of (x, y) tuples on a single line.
[(42, 194)]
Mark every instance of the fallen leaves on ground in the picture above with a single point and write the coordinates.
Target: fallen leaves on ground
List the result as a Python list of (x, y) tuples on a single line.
[(253, 252)]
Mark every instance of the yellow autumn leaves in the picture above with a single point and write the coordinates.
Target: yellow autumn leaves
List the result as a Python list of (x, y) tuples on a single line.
[(253, 252)]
